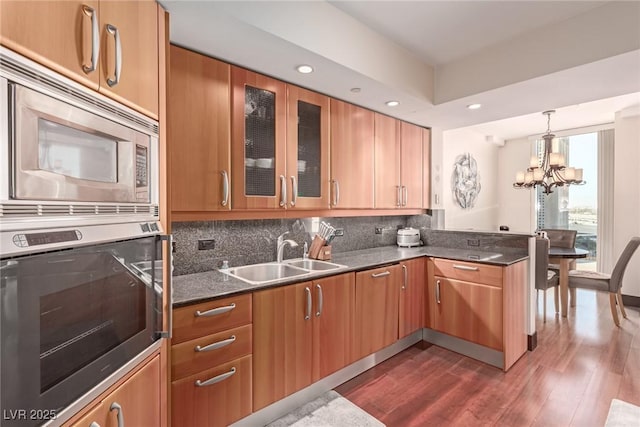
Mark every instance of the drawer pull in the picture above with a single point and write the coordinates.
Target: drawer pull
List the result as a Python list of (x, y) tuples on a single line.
[(120, 415), (217, 379), (378, 275), (465, 267), (215, 311), (216, 345)]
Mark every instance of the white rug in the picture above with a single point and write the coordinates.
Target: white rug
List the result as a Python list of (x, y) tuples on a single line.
[(328, 410), (622, 414)]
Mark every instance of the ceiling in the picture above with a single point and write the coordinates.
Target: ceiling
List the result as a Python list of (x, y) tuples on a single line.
[(517, 58)]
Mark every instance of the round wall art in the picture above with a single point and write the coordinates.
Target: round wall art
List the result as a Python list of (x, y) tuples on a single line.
[(465, 181)]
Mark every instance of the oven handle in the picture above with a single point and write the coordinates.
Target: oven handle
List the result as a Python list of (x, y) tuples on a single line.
[(169, 239)]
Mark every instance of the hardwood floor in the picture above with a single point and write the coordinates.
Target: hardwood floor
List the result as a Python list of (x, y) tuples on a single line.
[(580, 364)]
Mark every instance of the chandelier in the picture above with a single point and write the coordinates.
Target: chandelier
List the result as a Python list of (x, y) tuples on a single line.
[(553, 172)]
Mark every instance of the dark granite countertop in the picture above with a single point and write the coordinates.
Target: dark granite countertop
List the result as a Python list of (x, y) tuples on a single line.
[(200, 287)]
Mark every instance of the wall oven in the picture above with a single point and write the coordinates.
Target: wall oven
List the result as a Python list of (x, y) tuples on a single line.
[(82, 249)]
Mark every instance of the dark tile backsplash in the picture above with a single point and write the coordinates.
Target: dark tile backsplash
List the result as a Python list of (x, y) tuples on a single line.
[(250, 242)]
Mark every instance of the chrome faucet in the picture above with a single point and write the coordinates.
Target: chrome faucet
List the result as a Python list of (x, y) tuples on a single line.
[(282, 243)]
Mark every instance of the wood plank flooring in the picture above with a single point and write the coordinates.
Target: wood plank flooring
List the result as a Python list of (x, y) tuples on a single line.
[(580, 364)]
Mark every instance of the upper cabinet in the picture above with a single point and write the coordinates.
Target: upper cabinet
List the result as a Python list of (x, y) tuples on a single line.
[(308, 148), (109, 46), (398, 164), (199, 132), (352, 159), (258, 132), (426, 168), (280, 140)]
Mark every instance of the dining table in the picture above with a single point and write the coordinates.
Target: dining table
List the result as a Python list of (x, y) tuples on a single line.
[(565, 258)]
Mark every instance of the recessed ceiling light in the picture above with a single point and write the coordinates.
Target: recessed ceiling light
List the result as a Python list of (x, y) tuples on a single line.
[(392, 103), (305, 69), (474, 106), (355, 89)]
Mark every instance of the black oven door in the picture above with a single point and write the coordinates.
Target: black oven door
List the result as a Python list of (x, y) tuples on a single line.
[(70, 318)]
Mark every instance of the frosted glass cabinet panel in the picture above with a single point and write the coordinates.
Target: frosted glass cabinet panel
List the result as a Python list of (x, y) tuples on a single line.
[(258, 140)]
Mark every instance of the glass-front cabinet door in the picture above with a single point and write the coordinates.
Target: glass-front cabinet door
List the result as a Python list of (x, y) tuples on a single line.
[(258, 140), (307, 149)]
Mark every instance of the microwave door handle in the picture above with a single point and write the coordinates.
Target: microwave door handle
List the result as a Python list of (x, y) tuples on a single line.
[(113, 30), (95, 39)]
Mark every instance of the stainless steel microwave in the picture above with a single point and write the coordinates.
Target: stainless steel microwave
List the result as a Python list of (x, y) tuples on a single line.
[(64, 144)]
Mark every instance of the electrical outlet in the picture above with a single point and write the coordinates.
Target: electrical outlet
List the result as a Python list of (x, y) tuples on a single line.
[(206, 244), (339, 232), (174, 248), (473, 242), (378, 230)]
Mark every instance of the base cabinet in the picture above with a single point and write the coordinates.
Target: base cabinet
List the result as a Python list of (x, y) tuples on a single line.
[(215, 397), (480, 303), (301, 333), (136, 401), (412, 293), (211, 362), (376, 313)]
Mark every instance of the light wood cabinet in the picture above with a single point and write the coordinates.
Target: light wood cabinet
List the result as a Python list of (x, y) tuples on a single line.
[(66, 35), (376, 309), (258, 140), (199, 132), (307, 149), (352, 156), (302, 333), (216, 397), (211, 362), (426, 168), (412, 296), (137, 401), (480, 303), (398, 164)]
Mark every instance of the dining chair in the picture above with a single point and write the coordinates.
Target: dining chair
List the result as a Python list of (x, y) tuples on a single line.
[(545, 278), (611, 283), (561, 238)]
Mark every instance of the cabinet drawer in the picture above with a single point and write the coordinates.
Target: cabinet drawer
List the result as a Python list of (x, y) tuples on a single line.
[(225, 400), (468, 271), (193, 356), (210, 317)]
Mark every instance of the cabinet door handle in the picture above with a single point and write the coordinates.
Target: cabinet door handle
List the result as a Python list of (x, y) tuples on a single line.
[(378, 275), (465, 267), (94, 424), (405, 194), (307, 315), (116, 406), (398, 196), (225, 188), (283, 191), (216, 379), (320, 300), (111, 29), (438, 291), (216, 345), (294, 191), (215, 311), (95, 39), (406, 278), (336, 192)]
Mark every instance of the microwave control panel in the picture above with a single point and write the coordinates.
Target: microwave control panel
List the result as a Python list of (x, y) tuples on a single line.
[(141, 166)]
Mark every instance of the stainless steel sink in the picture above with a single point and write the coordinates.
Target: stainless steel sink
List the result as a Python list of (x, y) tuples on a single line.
[(259, 274), (313, 264)]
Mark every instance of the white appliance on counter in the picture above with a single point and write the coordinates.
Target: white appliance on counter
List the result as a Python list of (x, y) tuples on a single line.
[(408, 237)]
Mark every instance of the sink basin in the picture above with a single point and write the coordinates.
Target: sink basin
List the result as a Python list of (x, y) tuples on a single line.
[(313, 264), (259, 274)]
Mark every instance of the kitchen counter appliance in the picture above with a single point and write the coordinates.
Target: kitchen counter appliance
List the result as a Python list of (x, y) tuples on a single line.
[(408, 237)]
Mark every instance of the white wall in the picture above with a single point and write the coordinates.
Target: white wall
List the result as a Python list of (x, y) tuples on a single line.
[(483, 216), (626, 197), (515, 206)]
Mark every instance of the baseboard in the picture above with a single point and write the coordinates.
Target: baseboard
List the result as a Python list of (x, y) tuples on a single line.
[(630, 300), (466, 348), (532, 341)]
